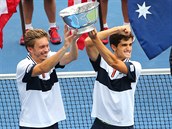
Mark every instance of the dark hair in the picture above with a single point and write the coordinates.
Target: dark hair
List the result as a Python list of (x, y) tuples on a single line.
[(31, 35), (116, 38)]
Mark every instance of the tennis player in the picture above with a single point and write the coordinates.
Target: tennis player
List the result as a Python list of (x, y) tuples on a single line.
[(38, 85), (117, 76)]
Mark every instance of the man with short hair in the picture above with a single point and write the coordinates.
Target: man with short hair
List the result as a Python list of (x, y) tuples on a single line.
[(38, 85), (117, 76)]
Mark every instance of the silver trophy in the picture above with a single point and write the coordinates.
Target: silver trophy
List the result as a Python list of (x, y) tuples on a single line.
[(81, 16)]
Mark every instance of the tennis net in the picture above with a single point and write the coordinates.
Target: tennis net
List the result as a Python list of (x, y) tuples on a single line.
[(153, 100)]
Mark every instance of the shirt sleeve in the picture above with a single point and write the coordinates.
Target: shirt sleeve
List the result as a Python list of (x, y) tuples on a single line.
[(59, 66), (134, 70), (96, 64), (28, 73)]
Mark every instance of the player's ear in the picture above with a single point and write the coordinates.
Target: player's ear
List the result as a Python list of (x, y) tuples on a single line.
[(29, 49), (113, 47)]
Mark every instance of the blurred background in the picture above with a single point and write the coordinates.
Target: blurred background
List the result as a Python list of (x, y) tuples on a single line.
[(12, 52)]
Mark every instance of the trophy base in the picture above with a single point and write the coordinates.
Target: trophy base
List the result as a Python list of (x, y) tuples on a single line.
[(85, 29)]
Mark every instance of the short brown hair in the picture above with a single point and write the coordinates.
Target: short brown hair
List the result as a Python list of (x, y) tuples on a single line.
[(31, 35)]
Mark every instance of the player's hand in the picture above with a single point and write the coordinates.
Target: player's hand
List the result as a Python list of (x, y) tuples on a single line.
[(93, 34), (70, 36), (125, 30)]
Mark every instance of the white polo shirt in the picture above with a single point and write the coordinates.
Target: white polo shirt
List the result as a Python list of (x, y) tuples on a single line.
[(41, 100), (113, 96)]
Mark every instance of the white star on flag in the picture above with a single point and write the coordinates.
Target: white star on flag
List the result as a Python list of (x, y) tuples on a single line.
[(143, 10)]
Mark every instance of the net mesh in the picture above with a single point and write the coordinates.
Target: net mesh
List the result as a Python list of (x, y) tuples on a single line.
[(153, 105)]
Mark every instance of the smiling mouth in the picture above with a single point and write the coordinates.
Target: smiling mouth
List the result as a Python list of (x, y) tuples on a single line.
[(127, 53)]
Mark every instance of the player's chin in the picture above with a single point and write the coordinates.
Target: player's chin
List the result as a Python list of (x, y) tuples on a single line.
[(128, 56), (44, 57)]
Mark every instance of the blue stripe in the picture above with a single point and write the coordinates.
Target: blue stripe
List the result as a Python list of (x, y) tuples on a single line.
[(119, 85), (35, 83)]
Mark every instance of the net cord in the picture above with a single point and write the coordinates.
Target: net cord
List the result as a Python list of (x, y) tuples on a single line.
[(92, 73)]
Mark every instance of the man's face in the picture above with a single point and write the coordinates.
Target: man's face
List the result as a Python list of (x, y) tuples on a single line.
[(40, 50), (124, 49)]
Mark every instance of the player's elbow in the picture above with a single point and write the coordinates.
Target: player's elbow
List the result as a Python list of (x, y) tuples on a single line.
[(74, 56), (39, 69), (88, 42), (113, 64)]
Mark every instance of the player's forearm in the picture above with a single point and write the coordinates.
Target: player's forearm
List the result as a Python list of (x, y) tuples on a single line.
[(108, 56), (71, 55), (107, 33), (49, 63), (74, 51)]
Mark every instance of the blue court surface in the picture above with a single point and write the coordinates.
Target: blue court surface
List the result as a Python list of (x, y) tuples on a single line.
[(12, 52)]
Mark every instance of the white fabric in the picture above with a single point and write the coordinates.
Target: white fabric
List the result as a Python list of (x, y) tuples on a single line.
[(114, 107), (80, 1), (38, 109), (29, 26), (3, 7)]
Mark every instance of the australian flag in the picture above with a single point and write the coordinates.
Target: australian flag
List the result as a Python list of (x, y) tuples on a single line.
[(151, 21)]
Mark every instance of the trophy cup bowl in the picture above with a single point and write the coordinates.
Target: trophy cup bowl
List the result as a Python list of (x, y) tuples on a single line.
[(81, 16)]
